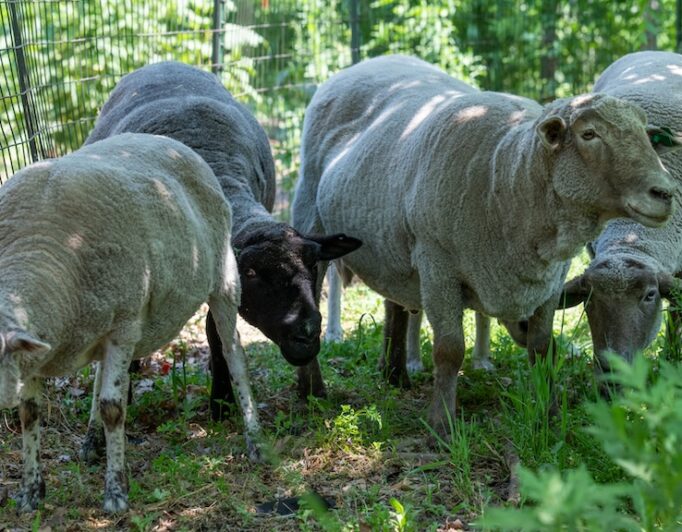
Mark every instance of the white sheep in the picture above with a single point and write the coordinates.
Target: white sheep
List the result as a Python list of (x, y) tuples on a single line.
[(468, 199), (276, 263), (634, 266), (104, 255)]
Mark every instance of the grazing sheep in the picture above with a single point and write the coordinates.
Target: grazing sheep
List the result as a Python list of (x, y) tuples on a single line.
[(468, 199), (104, 255), (634, 266), (276, 263)]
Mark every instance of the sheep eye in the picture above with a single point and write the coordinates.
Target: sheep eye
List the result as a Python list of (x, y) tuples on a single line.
[(588, 134), (650, 296), (250, 273)]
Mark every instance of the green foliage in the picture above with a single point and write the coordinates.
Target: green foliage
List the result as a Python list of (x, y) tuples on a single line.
[(528, 410), (641, 431), (425, 29), (457, 446), (569, 501), (142, 523), (35, 524), (352, 428), (274, 53)]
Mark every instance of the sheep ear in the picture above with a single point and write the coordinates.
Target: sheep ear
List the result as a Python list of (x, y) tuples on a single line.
[(335, 246), (669, 287), (663, 139), (23, 341), (590, 249), (551, 131), (576, 291)]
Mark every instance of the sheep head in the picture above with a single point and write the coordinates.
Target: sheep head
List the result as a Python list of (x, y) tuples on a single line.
[(622, 297), (601, 157), (278, 271), (20, 354)]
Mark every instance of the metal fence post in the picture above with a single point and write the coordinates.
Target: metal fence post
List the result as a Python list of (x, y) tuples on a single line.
[(24, 82), (355, 32), (217, 55)]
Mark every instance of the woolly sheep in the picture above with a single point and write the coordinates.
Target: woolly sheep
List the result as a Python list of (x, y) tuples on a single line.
[(633, 266), (468, 199), (104, 255), (276, 263)]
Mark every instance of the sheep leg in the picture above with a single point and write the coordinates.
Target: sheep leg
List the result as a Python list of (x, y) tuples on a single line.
[(32, 483), (94, 442), (224, 312), (334, 330), (444, 307), (112, 402), (310, 380), (448, 355), (481, 355), (414, 356), (394, 366), (222, 394)]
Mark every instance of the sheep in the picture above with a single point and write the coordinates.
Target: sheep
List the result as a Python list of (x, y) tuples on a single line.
[(633, 266), (276, 263), (104, 255), (467, 199)]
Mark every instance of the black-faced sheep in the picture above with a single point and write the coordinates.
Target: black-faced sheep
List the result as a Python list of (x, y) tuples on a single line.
[(276, 263), (634, 266), (468, 199), (104, 255)]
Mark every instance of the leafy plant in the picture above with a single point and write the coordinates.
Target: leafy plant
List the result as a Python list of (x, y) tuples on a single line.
[(569, 501), (641, 431), (353, 427)]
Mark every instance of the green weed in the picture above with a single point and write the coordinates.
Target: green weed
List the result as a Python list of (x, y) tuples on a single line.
[(457, 446), (640, 430)]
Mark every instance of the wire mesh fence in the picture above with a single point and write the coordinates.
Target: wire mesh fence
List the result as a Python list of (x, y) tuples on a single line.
[(60, 59)]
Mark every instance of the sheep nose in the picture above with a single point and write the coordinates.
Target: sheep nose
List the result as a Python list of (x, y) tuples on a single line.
[(313, 326), (310, 328), (661, 194)]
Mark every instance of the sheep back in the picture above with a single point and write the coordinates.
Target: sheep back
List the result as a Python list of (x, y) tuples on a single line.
[(129, 230), (192, 106), (408, 127)]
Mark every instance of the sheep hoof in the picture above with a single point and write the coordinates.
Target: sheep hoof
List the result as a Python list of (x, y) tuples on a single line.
[(414, 366), (115, 500), (439, 432), (333, 336), (440, 422), (483, 363), (255, 450), (30, 496), (398, 378)]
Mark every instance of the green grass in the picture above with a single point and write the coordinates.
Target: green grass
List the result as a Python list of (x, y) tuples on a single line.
[(365, 446)]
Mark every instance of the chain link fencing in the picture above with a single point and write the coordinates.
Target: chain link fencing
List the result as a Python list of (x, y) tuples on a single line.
[(60, 59)]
